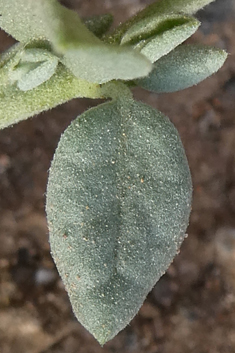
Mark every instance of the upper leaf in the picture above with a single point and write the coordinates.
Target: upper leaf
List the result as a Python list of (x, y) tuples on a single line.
[(118, 202), (23, 19), (65, 29), (145, 22), (104, 63), (170, 34), (86, 56), (28, 20), (184, 67), (188, 7), (78, 48)]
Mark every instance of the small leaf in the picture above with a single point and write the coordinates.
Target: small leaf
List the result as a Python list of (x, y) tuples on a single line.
[(38, 75), (12, 55), (8, 61), (36, 66), (36, 55), (100, 24), (162, 43), (146, 21), (118, 202), (17, 105), (184, 67)]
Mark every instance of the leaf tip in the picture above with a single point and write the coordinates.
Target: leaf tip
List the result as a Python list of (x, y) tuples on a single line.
[(220, 57)]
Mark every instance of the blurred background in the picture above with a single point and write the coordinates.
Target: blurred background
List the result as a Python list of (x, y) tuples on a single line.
[(192, 308)]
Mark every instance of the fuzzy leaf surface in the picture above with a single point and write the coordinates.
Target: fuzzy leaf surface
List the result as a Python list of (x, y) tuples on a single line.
[(146, 21), (35, 67), (28, 20), (101, 64), (23, 19), (79, 49), (85, 55), (38, 75), (17, 105), (88, 57), (15, 51), (185, 66), (162, 43), (188, 7), (118, 203)]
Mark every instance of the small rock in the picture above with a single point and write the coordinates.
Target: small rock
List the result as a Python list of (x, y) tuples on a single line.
[(45, 276)]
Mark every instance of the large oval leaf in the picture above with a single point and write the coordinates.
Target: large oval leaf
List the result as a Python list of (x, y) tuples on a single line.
[(118, 203)]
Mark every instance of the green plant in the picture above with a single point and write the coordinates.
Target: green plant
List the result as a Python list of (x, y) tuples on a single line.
[(119, 190)]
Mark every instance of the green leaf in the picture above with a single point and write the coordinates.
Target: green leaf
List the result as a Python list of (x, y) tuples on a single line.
[(100, 24), (184, 67), (187, 7), (12, 55), (23, 19), (161, 44), (118, 203), (36, 55), (86, 56), (35, 67), (17, 105), (66, 31), (104, 63), (146, 22), (80, 50), (8, 61), (28, 20), (38, 75), (145, 29)]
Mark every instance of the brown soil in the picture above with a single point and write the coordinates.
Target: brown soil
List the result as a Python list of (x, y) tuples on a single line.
[(192, 308)]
